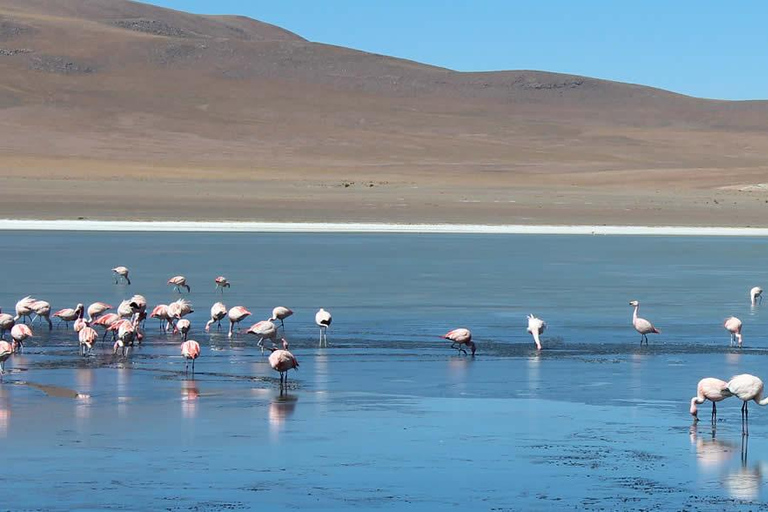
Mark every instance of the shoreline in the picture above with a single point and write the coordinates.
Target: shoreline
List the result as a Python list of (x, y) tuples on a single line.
[(358, 227)]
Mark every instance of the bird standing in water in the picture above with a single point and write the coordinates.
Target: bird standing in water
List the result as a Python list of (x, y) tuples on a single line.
[(461, 337), (714, 390), (641, 325), (121, 273)]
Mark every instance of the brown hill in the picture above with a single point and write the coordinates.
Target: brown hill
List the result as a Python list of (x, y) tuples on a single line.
[(110, 108)]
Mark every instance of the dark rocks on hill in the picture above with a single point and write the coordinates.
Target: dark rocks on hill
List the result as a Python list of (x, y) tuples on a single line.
[(154, 27), (59, 65)]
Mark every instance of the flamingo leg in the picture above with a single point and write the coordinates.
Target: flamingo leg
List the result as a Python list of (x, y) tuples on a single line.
[(714, 413)]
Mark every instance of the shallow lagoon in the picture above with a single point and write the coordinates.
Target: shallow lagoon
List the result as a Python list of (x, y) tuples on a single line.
[(388, 417)]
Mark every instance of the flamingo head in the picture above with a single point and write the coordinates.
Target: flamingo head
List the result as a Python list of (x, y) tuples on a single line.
[(634, 303), (694, 410), (285, 343)]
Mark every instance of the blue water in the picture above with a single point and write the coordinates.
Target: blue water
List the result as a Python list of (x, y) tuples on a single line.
[(388, 417)]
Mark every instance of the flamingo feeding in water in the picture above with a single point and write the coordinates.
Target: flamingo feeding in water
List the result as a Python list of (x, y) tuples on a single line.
[(218, 311), (161, 313), (69, 315), (281, 361), (323, 319), (121, 273), (747, 387), (6, 323), (19, 333), (24, 309), (42, 309), (5, 352), (96, 309), (755, 295), (733, 325), (641, 325), (190, 350), (264, 330), (461, 337), (536, 327), (710, 389), (183, 326), (236, 315), (87, 337), (179, 282), (280, 313), (221, 283)]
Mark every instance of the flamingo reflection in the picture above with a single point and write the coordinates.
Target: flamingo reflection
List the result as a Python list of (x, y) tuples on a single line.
[(190, 392)]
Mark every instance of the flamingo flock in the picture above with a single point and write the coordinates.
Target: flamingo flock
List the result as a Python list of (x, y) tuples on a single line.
[(745, 387)]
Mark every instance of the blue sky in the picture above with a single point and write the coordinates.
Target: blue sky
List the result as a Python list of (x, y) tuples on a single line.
[(702, 48)]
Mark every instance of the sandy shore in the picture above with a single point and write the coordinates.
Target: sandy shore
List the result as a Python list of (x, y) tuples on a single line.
[(339, 227)]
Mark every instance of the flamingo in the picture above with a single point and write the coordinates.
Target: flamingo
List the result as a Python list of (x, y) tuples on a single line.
[(19, 333), (161, 313), (747, 387), (756, 294), (126, 309), (6, 323), (236, 315), (121, 273), (106, 321), (280, 313), (183, 326), (69, 315), (24, 309), (733, 325), (461, 337), (96, 309), (710, 389), (281, 361), (221, 283), (264, 330), (323, 320), (81, 324), (42, 309), (126, 333), (641, 325), (87, 337), (190, 350), (5, 352), (536, 327), (179, 282), (138, 302), (177, 310), (218, 311)]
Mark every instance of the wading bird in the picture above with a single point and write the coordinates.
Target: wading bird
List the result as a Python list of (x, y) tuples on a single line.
[(236, 315), (87, 337), (323, 320), (183, 326), (42, 310), (747, 387), (641, 325), (218, 311), (221, 283), (755, 295), (733, 326), (6, 323), (69, 315), (179, 282), (96, 309), (281, 361), (536, 327), (461, 337), (710, 389), (280, 313), (190, 350), (24, 309), (265, 330), (161, 313), (19, 333), (121, 273), (5, 352)]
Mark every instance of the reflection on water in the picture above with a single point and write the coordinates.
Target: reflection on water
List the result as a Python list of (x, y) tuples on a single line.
[(281, 408), (190, 392), (533, 364), (5, 411), (711, 453)]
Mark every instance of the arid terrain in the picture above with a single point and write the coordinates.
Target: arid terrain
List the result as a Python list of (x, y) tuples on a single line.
[(111, 109)]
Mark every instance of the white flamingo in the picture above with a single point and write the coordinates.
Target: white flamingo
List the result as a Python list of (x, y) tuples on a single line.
[(536, 327), (641, 325), (323, 320)]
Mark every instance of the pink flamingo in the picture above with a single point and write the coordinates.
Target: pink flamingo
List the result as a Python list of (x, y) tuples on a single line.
[(126, 334), (6, 323), (121, 273), (183, 326), (96, 309), (461, 337), (190, 350), (42, 310), (536, 327), (264, 330), (641, 325), (24, 309), (236, 315), (179, 282), (126, 309), (19, 333), (747, 387), (81, 323), (733, 325), (5, 352), (281, 361), (323, 320), (106, 320), (280, 313), (218, 311), (69, 315), (221, 283), (138, 302), (161, 313), (710, 389), (87, 337), (756, 294)]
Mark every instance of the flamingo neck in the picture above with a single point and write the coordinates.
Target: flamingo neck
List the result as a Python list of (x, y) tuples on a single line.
[(634, 314), (761, 401)]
